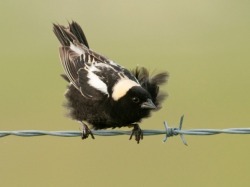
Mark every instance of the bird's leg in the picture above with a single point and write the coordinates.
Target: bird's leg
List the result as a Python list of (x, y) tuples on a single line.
[(137, 132), (86, 131)]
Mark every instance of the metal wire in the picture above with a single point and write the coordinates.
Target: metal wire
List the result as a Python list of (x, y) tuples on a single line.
[(168, 132)]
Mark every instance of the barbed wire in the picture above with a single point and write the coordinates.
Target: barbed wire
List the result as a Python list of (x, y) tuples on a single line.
[(168, 132)]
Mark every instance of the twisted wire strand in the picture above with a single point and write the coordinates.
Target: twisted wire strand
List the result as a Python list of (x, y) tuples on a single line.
[(168, 132)]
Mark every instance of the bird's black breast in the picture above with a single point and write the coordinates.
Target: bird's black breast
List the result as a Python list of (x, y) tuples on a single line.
[(100, 114)]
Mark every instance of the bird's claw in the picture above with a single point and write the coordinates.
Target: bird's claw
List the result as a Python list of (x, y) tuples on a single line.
[(86, 132), (137, 132)]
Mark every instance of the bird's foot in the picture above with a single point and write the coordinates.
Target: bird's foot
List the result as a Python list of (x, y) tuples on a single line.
[(137, 132), (86, 132)]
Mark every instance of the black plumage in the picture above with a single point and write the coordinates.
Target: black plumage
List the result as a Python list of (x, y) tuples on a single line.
[(101, 92)]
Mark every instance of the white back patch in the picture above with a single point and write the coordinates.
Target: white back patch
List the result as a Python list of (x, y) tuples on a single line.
[(78, 50), (95, 81), (122, 87)]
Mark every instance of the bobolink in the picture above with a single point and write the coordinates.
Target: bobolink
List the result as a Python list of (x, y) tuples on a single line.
[(102, 93)]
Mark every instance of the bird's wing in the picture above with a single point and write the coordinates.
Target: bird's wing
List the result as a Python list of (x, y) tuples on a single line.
[(91, 73), (82, 72), (69, 61), (151, 83)]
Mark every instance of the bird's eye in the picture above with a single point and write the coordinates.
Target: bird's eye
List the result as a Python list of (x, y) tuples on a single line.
[(135, 99)]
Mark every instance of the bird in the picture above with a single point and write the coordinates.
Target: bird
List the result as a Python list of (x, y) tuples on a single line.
[(101, 93)]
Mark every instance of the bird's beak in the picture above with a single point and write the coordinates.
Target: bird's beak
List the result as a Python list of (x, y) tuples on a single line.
[(148, 104)]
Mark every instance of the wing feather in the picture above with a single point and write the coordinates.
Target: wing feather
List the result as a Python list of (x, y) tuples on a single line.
[(92, 74), (68, 59)]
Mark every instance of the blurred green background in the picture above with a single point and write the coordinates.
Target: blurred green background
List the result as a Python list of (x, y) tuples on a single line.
[(203, 44)]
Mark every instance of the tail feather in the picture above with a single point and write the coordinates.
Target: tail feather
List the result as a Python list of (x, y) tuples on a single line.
[(64, 36), (77, 31), (71, 34)]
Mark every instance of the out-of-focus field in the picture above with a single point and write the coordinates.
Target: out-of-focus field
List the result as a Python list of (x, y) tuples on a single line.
[(204, 45)]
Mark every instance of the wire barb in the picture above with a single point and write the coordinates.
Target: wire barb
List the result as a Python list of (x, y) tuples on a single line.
[(174, 131)]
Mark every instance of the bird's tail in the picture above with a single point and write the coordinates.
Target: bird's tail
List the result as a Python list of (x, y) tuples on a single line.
[(63, 34), (71, 34), (77, 31)]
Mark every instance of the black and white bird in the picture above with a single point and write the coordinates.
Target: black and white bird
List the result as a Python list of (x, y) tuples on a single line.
[(102, 93)]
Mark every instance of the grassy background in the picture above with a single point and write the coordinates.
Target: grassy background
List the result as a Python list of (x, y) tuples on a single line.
[(203, 44)]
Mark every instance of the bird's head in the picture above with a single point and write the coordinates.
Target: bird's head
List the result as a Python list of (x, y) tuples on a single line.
[(138, 98), (132, 100)]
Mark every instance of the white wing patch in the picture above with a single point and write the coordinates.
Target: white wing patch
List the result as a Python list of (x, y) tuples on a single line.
[(122, 87), (95, 81)]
